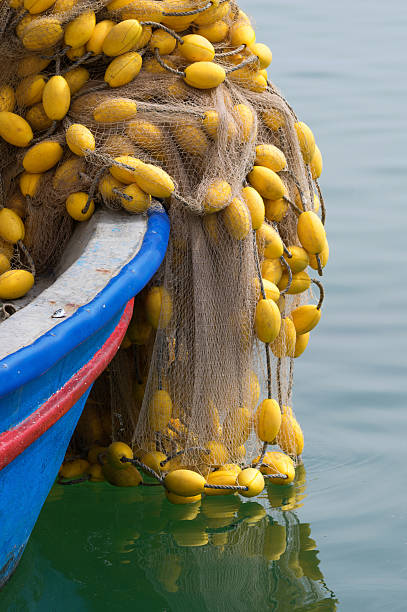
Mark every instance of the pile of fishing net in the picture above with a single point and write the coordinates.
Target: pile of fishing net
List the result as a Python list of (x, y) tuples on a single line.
[(142, 104)]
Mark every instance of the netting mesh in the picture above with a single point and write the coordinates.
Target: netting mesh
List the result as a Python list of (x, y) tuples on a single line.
[(191, 383)]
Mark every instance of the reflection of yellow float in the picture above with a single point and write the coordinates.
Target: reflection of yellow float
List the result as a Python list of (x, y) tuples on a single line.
[(211, 559), (237, 543)]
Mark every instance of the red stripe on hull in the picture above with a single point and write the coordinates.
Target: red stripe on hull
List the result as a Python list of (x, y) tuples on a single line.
[(16, 440)]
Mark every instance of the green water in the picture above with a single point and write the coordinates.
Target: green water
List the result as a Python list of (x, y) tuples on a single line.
[(96, 548), (101, 548)]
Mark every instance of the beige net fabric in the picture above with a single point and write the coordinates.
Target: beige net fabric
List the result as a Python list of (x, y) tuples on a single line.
[(204, 372), (206, 355)]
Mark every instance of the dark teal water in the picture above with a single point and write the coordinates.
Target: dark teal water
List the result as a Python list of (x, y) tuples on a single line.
[(95, 548)]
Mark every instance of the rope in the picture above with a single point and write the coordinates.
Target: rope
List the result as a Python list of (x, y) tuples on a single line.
[(73, 481), (290, 276), (159, 442), (191, 12), (286, 251), (100, 87), (100, 458), (27, 256), (271, 476), (163, 27), (332, 594), (263, 293), (321, 199), (142, 466), (93, 187), (258, 269), (150, 484), (321, 292), (80, 61), (268, 364), (173, 429), (280, 399), (297, 184), (310, 183), (46, 135), (266, 346), (99, 58), (290, 380), (226, 487), (164, 65), (6, 310), (263, 452), (317, 257), (2, 196), (84, 177), (285, 248), (125, 196), (97, 176), (232, 52), (113, 162), (295, 207), (57, 54), (246, 62)]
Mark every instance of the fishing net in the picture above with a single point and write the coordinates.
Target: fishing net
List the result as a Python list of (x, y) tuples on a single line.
[(146, 104)]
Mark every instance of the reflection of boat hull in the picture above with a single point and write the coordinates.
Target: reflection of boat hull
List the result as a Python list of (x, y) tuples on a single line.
[(43, 388)]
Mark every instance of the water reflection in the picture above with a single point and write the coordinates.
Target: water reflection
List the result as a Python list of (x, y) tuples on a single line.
[(116, 546)]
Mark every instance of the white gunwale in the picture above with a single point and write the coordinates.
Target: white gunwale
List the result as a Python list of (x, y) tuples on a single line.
[(97, 252)]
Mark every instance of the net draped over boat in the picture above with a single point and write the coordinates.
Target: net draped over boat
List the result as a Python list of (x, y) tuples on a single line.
[(199, 360)]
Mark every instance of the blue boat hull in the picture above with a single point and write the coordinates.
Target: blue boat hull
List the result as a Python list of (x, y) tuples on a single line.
[(25, 484), (44, 386)]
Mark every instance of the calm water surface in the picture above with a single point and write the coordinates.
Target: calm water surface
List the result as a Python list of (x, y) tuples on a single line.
[(341, 533)]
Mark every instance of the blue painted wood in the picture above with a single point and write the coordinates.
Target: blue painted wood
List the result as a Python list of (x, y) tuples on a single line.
[(32, 375), (25, 484)]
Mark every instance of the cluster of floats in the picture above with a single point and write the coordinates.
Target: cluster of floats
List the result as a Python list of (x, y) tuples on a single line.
[(72, 60)]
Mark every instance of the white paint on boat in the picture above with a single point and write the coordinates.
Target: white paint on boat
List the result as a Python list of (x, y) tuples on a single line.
[(97, 252)]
